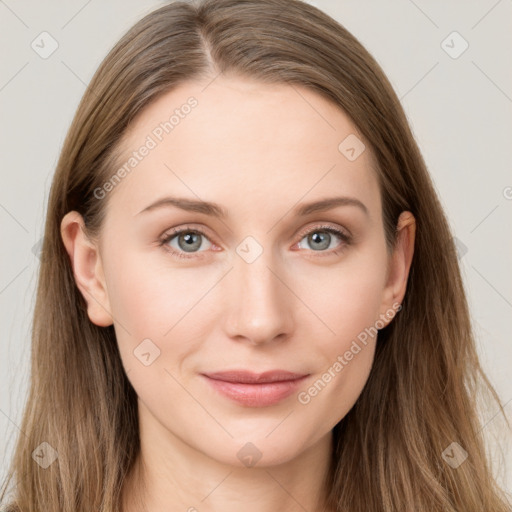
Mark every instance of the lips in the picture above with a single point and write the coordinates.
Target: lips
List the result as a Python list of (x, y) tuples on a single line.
[(255, 389), (247, 377)]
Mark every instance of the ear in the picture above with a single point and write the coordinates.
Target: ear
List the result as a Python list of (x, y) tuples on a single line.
[(399, 266), (87, 268)]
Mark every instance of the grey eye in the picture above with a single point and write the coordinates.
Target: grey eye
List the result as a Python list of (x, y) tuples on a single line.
[(319, 240), (187, 241)]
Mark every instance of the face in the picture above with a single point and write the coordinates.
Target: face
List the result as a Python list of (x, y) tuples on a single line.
[(267, 277)]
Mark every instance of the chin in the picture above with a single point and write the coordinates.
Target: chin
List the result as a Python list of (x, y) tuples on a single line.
[(261, 450)]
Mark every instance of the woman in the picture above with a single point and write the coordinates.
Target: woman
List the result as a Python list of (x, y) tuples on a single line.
[(249, 292)]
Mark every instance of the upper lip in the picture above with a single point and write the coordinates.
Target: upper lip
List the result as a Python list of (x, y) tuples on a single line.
[(248, 377)]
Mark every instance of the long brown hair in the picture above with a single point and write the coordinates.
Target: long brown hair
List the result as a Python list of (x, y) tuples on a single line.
[(421, 394)]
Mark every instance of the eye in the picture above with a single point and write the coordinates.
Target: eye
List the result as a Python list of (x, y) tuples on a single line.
[(186, 240), (321, 238)]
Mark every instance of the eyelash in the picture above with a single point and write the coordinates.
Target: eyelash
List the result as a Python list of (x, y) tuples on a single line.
[(167, 237)]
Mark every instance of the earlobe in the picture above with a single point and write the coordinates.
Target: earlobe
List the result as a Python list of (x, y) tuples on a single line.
[(400, 262), (87, 268)]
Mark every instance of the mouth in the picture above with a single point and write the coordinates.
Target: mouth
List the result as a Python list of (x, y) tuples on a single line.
[(255, 389)]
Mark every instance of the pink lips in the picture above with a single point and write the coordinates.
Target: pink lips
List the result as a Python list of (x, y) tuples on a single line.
[(255, 390)]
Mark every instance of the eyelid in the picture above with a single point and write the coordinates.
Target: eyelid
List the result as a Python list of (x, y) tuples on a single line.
[(169, 233), (340, 231)]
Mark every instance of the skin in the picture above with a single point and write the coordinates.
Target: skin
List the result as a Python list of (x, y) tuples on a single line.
[(259, 151)]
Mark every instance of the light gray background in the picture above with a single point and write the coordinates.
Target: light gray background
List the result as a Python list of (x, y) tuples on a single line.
[(459, 109)]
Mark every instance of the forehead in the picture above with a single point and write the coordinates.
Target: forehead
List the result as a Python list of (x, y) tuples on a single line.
[(240, 142)]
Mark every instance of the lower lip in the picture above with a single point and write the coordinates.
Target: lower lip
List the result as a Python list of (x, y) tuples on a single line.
[(256, 395)]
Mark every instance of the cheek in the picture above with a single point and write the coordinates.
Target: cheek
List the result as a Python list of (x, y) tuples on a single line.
[(348, 304), (346, 298), (333, 392), (344, 353), (151, 298), (155, 311)]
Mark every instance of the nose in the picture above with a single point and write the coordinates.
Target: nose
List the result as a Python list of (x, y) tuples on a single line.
[(259, 305)]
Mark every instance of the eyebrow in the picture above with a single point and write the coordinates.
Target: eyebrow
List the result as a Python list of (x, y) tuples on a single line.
[(215, 210)]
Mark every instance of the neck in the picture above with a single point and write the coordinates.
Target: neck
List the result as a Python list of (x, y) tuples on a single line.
[(171, 475)]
